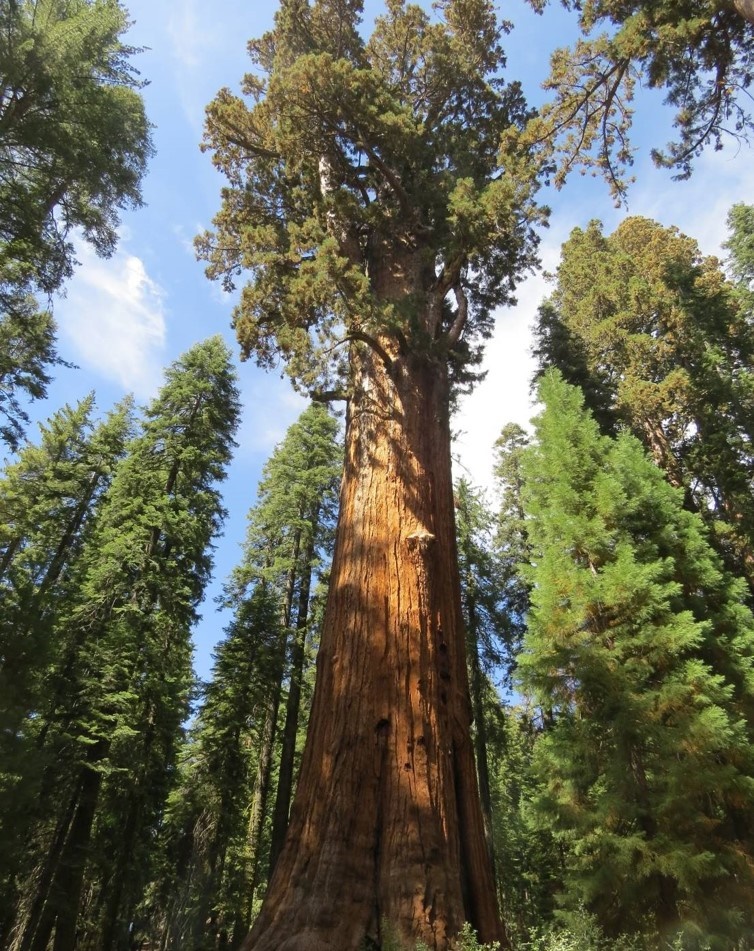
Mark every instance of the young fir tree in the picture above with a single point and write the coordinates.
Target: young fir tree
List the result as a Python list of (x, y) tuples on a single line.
[(236, 822), (119, 693), (658, 339), (380, 229), (640, 647)]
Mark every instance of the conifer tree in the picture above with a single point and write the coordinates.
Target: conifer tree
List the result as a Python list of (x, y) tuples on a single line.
[(74, 143), (698, 53), (201, 892), (380, 228), (642, 649), (49, 501), (27, 350), (120, 691), (740, 244), (74, 139), (485, 618), (215, 826), (511, 543), (666, 347)]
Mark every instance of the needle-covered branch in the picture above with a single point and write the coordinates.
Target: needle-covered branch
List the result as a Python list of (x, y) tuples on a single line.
[(700, 53)]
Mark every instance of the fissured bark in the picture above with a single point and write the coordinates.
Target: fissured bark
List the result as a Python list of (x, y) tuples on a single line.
[(386, 834)]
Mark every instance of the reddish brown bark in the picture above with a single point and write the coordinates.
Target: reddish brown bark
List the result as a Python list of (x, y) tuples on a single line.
[(386, 829)]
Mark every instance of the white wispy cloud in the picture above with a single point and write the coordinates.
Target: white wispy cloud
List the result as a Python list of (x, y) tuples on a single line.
[(503, 396), (112, 321), (272, 405), (188, 33)]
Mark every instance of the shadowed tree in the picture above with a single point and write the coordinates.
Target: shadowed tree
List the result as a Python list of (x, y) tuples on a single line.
[(118, 694), (50, 498), (378, 226)]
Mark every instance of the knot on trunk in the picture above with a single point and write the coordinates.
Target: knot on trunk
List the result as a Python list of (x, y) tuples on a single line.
[(420, 540)]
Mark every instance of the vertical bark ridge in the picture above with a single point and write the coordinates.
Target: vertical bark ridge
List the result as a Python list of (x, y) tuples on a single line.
[(377, 840)]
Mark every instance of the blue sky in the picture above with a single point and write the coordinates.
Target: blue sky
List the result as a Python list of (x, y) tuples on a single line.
[(122, 320)]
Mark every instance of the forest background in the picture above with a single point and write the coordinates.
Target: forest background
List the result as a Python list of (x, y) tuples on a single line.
[(122, 320), (116, 827)]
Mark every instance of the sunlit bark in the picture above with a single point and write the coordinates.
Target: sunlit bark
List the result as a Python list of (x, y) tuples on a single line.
[(386, 831)]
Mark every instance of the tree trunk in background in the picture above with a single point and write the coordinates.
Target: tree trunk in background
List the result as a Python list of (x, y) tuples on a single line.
[(262, 789), (62, 905), (42, 880), (292, 708), (386, 830), (480, 750)]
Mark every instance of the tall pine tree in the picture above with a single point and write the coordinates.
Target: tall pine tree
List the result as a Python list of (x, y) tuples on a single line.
[(50, 498), (231, 808), (659, 340), (119, 693)]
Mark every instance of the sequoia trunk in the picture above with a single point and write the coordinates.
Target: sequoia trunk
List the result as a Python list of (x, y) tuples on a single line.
[(386, 838)]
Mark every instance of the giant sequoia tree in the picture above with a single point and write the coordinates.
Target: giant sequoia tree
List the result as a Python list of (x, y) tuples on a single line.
[(368, 205)]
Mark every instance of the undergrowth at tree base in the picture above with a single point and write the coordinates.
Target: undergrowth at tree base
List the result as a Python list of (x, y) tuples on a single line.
[(583, 933)]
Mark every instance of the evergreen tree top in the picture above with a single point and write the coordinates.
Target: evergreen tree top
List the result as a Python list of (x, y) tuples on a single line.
[(367, 198)]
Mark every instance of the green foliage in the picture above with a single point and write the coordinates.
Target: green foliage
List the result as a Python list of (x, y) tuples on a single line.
[(482, 586), (657, 339), (74, 143), (74, 139), (27, 348), (584, 934), (118, 686), (740, 244), (700, 53), (50, 497), (511, 546), (211, 854), (365, 187), (640, 646), (528, 861)]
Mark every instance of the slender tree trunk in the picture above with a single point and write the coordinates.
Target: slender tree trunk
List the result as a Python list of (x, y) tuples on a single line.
[(28, 914), (62, 905), (480, 739), (114, 935), (8, 556), (262, 789), (386, 830), (293, 704)]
